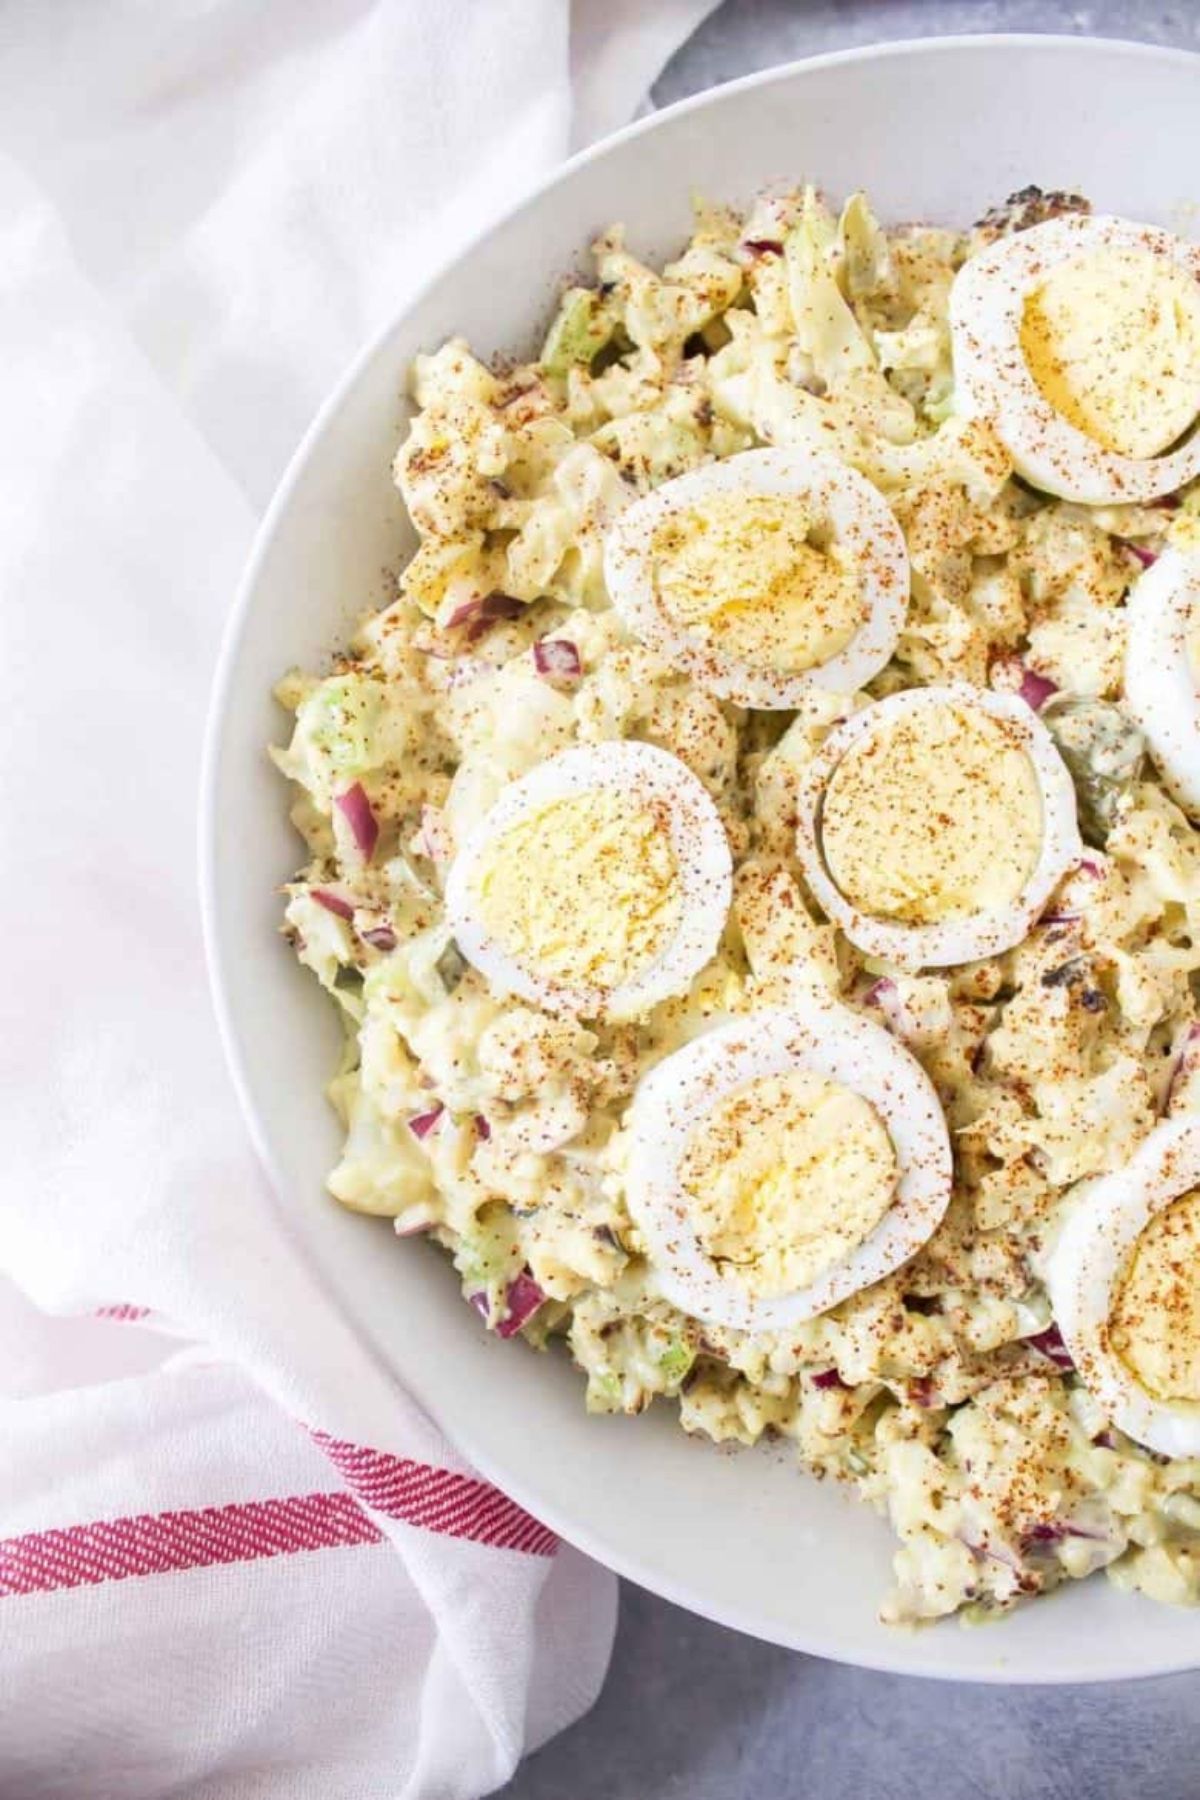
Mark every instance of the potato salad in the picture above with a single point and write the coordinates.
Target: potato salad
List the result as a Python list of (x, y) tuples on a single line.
[(753, 856)]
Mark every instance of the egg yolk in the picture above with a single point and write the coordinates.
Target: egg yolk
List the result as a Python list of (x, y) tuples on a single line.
[(741, 574), (1155, 1322), (584, 889), (785, 1177), (936, 815), (1112, 341)]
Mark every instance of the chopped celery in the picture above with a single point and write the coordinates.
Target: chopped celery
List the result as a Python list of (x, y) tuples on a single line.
[(581, 329)]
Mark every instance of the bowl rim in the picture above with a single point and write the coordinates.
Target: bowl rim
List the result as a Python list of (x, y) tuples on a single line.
[(583, 1538)]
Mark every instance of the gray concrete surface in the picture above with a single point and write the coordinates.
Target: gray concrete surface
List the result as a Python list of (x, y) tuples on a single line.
[(744, 35), (692, 1711)]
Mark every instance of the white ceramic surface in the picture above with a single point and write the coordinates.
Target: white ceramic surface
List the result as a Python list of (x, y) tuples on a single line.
[(938, 131)]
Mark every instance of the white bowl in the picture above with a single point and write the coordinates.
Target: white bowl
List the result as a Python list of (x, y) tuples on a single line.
[(935, 131)]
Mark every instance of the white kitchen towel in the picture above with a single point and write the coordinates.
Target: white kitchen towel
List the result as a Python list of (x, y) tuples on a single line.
[(235, 1560)]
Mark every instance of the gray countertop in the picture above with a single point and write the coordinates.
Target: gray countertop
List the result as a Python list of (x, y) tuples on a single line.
[(692, 1711), (744, 35)]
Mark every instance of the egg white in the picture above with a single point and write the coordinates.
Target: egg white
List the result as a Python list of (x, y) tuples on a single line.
[(815, 1034), (1085, 1267), (942, 945), (642, 773), (861, 524), (992, 378), (1162, 609)]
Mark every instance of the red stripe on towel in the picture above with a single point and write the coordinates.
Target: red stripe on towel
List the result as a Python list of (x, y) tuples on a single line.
[(436, 1499), (162, 1543)]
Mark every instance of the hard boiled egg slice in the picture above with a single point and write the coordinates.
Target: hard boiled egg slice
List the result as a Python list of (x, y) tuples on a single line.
[(763, 576), (598, 884), (1080, 340), (934, 825), (1124, 1281), (780, 1163), (1162, 669)]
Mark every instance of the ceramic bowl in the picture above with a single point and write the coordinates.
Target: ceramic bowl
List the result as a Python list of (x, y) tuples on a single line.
[(934, 131)]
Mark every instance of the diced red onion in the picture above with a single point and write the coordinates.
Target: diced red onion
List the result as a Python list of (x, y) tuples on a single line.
[(416, 1228), (1050, 1343), (995, 1551), (923, 1393), (380, 937), (470, 609), (1147, 558), (1036, 689), (430, 639), (421, 1124), (886, 996), (1053, 1531), (435, 838), (493, 607), (483, 1130), (999, 1553), (522, 1300), (332, 902), (827, 1378), (1064, 915), (1105, 1440), (355, 808), (763, 246), (1185, 1062), (1015, 678), (557, 659), (478, 614)]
